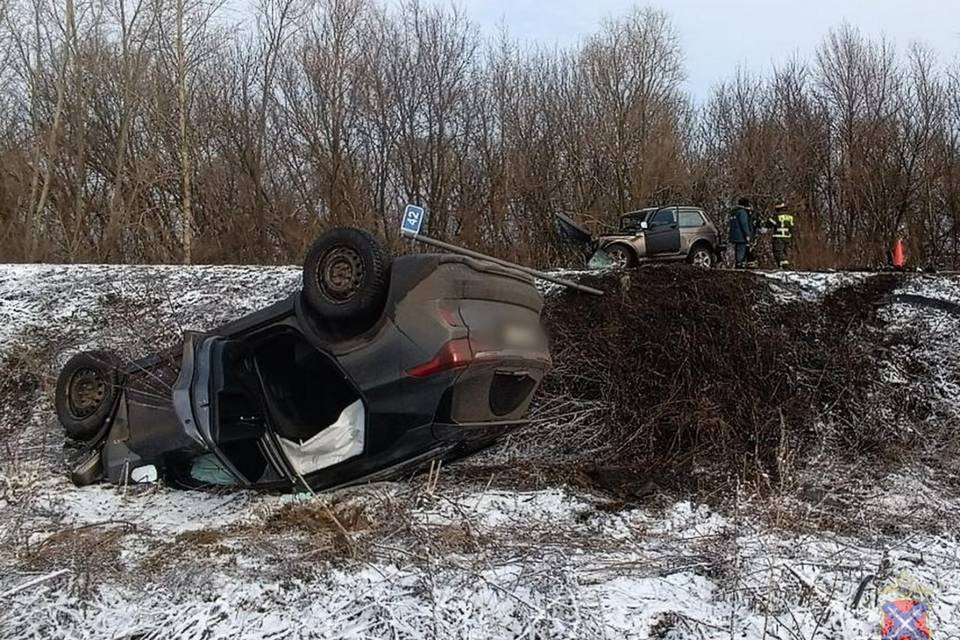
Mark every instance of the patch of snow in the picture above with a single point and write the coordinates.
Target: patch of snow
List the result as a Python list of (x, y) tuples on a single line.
[(941, 287), (766, 584), (154, 508), (685, 519), (922, 355), (492, 509), (789, 286), (550, 563), (630, 606), (86, 305)]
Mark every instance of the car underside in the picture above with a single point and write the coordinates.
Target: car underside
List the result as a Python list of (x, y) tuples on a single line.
[(340, 383)]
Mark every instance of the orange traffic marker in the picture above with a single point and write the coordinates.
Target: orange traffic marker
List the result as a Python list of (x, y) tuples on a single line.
[(899, 254)]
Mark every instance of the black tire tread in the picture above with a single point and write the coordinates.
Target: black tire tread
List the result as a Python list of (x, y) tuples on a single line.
[(85, 428), (367, 304)]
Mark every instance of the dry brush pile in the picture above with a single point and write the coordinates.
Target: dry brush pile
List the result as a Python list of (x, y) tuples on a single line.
[(690, 378)]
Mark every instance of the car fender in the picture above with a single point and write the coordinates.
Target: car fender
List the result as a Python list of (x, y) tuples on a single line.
[(702, 242)]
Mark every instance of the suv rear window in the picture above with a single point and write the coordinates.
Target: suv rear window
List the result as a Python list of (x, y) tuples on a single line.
[(691, 218)]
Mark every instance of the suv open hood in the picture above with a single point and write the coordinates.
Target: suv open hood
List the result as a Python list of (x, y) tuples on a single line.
[(573, 232)]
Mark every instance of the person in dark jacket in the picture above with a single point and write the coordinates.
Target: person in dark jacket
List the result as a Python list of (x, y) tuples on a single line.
[(741, 231)]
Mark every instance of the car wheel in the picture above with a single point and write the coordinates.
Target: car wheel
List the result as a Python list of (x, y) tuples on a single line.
[(346, 276), (87, 387), (620, 255), (701, 257)]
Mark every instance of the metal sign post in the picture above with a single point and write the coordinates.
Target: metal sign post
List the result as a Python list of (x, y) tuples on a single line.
[(413, 222)]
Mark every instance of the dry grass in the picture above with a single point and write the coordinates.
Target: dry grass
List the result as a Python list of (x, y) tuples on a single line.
[(84, 549), (318, 518)]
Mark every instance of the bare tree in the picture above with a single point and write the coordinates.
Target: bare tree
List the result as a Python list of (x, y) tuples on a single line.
[(156, 130)]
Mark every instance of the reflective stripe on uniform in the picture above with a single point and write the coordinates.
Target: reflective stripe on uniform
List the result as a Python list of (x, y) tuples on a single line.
[(784, 228)]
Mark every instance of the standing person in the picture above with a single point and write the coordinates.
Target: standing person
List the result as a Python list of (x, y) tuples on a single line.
[(782, 224), (759, 228), (741, 232)]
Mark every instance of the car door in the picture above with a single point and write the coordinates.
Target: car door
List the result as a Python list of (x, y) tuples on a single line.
[(663, 232), (219, 398)]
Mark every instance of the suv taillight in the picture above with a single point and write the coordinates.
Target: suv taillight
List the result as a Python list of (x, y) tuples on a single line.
[(455, 354)]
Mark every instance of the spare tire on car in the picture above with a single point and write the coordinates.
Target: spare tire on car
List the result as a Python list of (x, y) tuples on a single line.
[(346, 275), (87, 388)]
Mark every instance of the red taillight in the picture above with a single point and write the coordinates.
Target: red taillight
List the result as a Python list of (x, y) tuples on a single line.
[(455, 354)]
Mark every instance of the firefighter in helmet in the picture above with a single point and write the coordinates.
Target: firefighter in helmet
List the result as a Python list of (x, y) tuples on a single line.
[(781, 224)]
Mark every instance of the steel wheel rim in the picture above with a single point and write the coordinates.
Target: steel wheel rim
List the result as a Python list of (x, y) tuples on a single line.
[(619, 257), (86, 392), (701, 259), (340, 274)]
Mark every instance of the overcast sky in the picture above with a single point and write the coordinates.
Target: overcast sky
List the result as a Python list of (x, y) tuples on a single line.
[(719, 35)]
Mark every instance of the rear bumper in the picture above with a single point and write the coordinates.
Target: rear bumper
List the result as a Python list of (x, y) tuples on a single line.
[(492, 393)]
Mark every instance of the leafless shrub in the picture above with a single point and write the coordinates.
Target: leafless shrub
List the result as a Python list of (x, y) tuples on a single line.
[(704, 381)]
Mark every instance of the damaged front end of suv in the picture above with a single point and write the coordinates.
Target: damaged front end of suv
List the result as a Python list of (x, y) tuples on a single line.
[(375, 366)]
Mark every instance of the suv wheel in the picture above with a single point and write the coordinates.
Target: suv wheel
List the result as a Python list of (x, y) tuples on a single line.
[(701, 257), (620, 255), (86, 390), (346, 277)]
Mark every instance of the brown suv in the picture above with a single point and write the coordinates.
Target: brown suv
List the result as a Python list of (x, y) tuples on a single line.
[(660, 234)]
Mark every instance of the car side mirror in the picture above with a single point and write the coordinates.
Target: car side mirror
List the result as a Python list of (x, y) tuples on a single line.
[(644, 225)]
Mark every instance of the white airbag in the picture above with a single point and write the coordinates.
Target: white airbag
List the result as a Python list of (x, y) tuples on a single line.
[(340, 441)]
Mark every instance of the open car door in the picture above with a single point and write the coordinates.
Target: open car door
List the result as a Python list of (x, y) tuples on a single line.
[(316, 419), (270, 411), (663, 232), (224, 402)]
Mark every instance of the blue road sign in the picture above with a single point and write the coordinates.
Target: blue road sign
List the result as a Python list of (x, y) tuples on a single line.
[(412, 220)]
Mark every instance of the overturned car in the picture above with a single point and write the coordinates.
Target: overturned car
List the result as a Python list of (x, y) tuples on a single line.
[(375, 366)]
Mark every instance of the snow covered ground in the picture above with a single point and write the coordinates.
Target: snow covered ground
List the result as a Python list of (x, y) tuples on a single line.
[(434, 557)]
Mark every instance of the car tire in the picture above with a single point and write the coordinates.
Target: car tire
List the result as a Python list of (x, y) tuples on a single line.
[(621, 255), (346, 275), (701, 257), (87, 388)]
